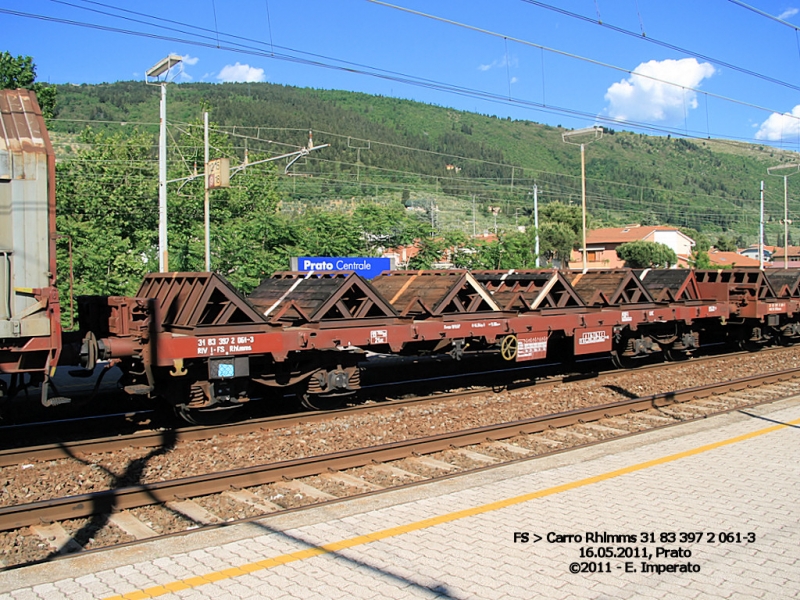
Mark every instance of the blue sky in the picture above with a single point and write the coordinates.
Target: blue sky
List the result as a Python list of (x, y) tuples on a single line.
[(718, 68)]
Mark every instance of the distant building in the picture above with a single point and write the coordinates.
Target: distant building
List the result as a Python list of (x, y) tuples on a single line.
[(752, 252), (778, 255), (602, 244), (401, 255), (719, 258)]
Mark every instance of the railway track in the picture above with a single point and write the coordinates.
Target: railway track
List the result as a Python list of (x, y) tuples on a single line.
[(156, 437), (410, 462)]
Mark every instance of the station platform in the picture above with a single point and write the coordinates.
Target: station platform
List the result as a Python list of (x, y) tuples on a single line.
[(700, 510)]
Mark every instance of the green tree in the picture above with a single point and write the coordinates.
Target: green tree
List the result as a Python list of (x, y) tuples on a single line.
[(569, 215), (431, 251), (249, 240), (559, 231), (702, 242), (107, 206), (387, 225), (329, 233), (20, 72), (513, 250), (726, 244), (643, 255), (556, 241), (701, 260)]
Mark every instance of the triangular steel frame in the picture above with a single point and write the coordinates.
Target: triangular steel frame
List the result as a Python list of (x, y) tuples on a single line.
[(188, 301), (529, 290), (617, 287), (295, 296)]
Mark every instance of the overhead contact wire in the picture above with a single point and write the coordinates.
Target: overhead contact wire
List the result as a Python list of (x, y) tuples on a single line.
[(663, 44)]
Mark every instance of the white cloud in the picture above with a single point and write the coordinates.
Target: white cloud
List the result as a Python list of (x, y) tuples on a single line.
[(780, 126), (190, 60), (241, 73), (500, 63), (646, 95), (788, 13)]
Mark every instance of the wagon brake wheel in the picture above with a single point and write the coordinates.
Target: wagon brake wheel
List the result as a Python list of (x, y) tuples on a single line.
[(508, 347)]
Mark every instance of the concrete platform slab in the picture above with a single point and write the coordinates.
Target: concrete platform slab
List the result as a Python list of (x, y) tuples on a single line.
[(701, 510)]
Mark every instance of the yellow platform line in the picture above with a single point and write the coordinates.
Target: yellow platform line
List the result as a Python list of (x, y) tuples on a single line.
[(283, 559)]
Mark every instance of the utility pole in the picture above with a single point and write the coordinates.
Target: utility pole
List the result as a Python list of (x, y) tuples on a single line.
[(163, 252), (474, 225), (206, 205), (162, 67), (358, 150), (536, 220), (761, 231), (597, 133), (786, 221)]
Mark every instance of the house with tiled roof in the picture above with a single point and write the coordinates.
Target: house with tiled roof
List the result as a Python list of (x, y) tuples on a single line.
[(779, 256), (602, 244), (719, 258), (401, 255)]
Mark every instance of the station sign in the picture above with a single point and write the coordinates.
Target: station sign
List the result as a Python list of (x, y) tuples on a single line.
[(366, 267)]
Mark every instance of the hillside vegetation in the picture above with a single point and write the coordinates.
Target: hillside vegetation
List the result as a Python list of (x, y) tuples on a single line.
[(390, 148)]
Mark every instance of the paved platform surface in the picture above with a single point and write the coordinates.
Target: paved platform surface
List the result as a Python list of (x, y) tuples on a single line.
[(719, 497)]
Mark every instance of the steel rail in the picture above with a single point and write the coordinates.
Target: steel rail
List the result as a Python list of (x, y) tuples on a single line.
[(103, 502), (155, 438)]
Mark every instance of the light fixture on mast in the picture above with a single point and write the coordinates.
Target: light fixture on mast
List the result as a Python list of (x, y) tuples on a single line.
[(162, 67), (788, 171), (596, 132)]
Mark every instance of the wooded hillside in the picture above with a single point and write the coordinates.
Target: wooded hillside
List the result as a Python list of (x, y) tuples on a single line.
[(384, 146)]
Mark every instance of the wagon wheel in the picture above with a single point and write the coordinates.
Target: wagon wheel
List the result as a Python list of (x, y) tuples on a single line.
[(508, 347)]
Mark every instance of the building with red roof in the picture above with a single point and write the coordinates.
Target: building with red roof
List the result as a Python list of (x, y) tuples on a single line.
[(601, 244)]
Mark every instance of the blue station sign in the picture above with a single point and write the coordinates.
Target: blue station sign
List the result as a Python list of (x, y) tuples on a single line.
[(367, 268)]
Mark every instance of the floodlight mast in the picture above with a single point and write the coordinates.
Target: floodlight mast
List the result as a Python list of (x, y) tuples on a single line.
[(162, 67), (596, 132), (788, 171)]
